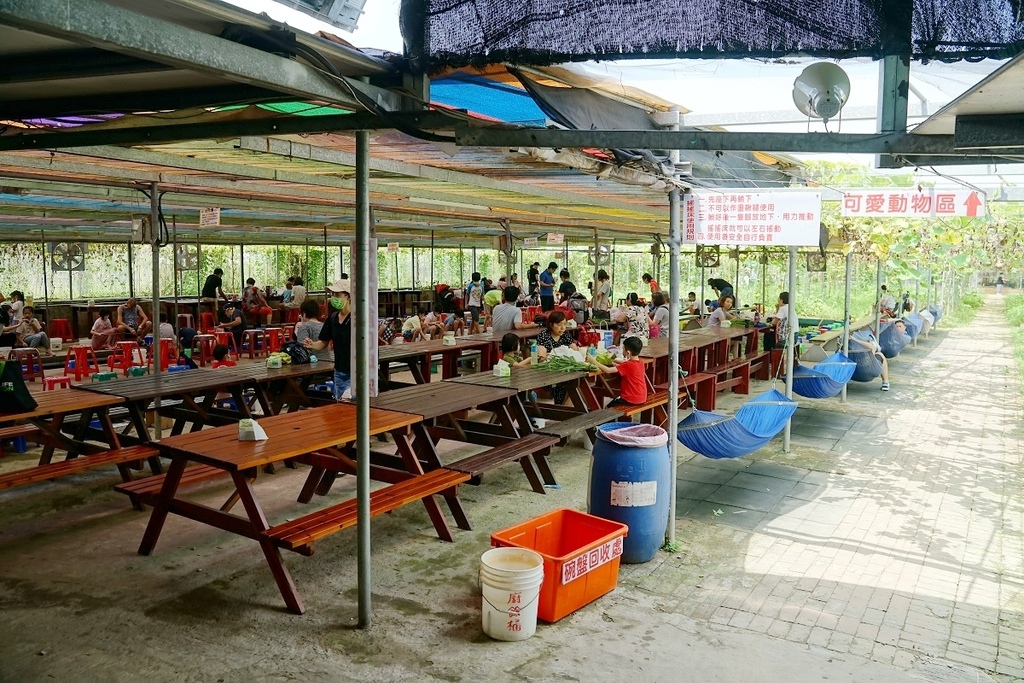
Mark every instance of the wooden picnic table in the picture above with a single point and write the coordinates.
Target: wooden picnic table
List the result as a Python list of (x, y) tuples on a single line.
[(197, 390), (320, 436), (419, 356), (832, 340), (54, 407), (527, 379)]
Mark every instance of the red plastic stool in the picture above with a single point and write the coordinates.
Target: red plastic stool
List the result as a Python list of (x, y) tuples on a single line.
[(203, 343), (59, 327), (228, 340), (30, 361), (168, 354), (126, 354), (289, 332), (80, 362), (290, 315), (272, 337), (52, 383), (253, 343), (207, 322), (185, 320), (323, 312)]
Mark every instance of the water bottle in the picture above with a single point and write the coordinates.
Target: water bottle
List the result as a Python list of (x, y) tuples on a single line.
[(534, 354), (592, 351)]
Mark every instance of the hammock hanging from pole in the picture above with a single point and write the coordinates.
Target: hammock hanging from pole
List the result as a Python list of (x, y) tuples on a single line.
[(892, 342), (868, 365), (717, 436), (825, 379)]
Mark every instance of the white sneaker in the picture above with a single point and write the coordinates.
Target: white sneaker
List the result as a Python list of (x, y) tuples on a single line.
[(885, 386)]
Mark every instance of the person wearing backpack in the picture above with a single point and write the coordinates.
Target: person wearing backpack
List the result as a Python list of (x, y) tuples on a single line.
[(338, 331)]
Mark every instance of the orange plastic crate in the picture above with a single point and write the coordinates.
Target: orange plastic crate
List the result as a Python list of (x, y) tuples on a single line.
[(581, 557)]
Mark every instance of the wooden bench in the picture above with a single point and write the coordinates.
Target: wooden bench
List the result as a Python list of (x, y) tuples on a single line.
[(518, 450), (147, 489), (300, 535), (17, 432), (652, 410), (587, 421), (736, 373), (122, 457), (696, 388)]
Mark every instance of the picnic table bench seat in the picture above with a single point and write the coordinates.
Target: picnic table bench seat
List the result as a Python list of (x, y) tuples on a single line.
[(17, 431), (699, 388), (564, 429), (300, 535), (147, 489), (518, 450), (652, 410), (121, 457), (736, 373)]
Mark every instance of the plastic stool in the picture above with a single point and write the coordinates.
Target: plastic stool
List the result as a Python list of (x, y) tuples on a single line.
[(272, 338), (207, 322), (204, 343), (138, 371), (253, 343), (289, 332), (31, 363), (177, 368), (80, 361), (290, 315), (126, 354), (52, 383), (102, 376), (168, 353), (59, 327), (228, 340), (185, 320)]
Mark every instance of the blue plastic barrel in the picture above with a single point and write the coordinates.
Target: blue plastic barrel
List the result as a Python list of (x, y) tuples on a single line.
[(630, 484)]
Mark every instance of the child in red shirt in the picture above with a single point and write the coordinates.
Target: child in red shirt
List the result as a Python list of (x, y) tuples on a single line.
[(632, 378), (221, 358)]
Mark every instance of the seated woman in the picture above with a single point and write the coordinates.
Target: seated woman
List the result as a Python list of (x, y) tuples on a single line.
[(635, 319), (553, 335), (723, 312), (659, 317), (103, 332)]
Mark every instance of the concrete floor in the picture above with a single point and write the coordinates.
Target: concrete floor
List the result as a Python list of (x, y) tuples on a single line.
[(886, 546)]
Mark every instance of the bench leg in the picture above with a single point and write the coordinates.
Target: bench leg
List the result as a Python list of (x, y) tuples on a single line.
[(312, 481), (544, 467), (743, 387), (411, 457), (531, 474)]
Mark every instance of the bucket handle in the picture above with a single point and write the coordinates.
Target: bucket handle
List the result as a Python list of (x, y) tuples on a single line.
[(497, 609)]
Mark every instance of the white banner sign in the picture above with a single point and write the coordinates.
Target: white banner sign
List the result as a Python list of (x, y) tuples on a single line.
[(392, 247), (913, 203), (555, 238), (754, 218), (529, 243), (209, 217)]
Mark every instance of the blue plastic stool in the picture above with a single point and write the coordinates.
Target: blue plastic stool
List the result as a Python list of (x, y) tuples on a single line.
[(177, 368)]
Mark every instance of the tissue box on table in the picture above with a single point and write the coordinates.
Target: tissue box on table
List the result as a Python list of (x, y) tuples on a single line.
[(502, 369), (250, 430), (448, 339)]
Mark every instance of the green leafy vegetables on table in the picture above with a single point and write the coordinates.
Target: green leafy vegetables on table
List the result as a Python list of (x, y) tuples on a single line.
[(563, 364)]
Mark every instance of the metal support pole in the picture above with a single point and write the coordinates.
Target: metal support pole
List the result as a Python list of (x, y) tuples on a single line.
[(241, 264), (878, 290), (174, 268), (413, 250), (474, 259), (131, 270), (432, 259), (325, 259), (362, 384), (794, 326), (846, 317), (674, 208), (154, 230), (46, 286)]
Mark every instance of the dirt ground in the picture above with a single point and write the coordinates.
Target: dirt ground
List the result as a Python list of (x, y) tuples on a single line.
[(764, 587)]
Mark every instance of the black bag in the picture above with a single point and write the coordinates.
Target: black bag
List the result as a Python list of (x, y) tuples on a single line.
[(14, 395), (298, 352)]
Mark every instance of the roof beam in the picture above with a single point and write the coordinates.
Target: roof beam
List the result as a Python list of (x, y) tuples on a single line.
[(70, 64), (806, 143), (989, 133), (91, 22), (287, 148)]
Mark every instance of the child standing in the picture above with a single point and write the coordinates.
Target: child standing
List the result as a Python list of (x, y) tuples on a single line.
[(632, 378)]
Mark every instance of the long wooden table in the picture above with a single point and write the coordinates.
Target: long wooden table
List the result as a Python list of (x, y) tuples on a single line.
[(197, 390), (523, 380), (50, 416), (419, 356), (699, 350), (318, 435)]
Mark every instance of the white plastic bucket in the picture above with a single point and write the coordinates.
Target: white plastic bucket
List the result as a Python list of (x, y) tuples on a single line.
[(56, 343), (510, 579)]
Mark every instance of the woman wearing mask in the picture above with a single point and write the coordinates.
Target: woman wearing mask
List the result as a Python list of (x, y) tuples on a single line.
[(337, 329)]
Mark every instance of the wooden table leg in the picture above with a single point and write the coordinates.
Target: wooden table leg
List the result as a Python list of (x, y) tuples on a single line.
[(284, 581), (162, 506), (425, 450)]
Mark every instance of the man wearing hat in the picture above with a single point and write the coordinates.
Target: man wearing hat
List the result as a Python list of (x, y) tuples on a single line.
[(337, 330), (235, 324)]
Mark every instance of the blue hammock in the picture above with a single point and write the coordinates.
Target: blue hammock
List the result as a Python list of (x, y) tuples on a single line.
[(935, 311), (916, 320), (825, 379), (729, 436), (891, 341), (868, 365)]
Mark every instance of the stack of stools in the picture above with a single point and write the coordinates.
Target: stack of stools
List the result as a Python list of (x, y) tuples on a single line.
[(168, 354), (203, 343), (185, 320), (59, 328), (272, 338), (31, 363), (126, 354), (207, 322), (80, 362), (252, 341), (228, 340)]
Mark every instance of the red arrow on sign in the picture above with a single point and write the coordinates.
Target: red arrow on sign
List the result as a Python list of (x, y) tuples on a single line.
[(972, 203)]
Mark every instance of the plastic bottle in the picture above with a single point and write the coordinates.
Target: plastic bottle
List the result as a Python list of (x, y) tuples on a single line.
[(534, 354)]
